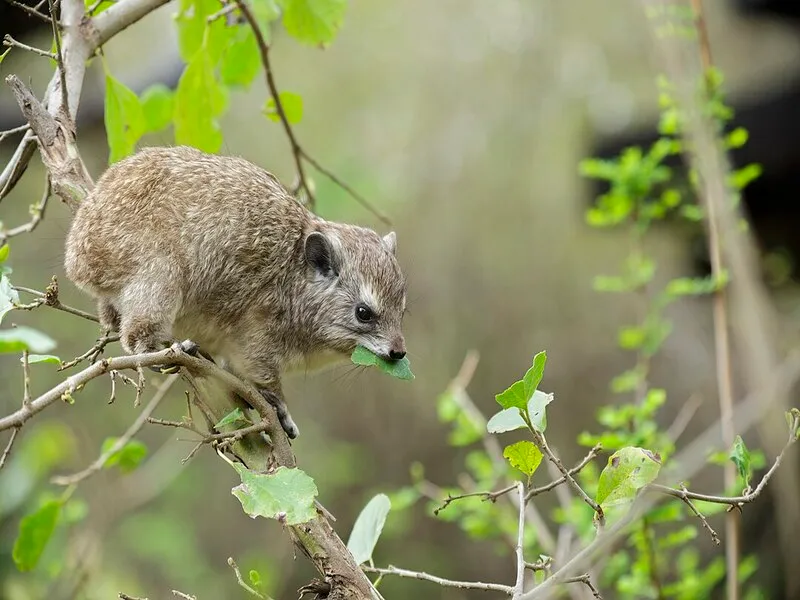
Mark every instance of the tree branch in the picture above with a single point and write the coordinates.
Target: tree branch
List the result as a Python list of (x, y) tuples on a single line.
[(519, 584), (464, 585)]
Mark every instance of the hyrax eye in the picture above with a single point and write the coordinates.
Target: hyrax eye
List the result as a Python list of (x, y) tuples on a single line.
[(364, 313)]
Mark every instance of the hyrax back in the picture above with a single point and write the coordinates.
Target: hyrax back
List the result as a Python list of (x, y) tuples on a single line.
[(178, 244)]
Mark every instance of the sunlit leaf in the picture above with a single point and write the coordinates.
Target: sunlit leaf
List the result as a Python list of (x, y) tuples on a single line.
[(4, 251), (199, 99), (285, 494), (367, 528), (35, 531), (508, 419), (740, 456), (524, 456), (8, 296), (126, 458), (158, 105), (628, 470), (24, 338), (292, 107), (533, 377), (396, 368), (241, 60), (513, 397), (42, 358), (537, 412), (124, 119), (314, 22)]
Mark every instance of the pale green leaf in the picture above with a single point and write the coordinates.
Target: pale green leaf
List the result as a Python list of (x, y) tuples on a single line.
[(292, 107), (236, 418), (537, 412), (534, 375), (126, 458), (285, 494), (124, 119), (158, 105), (314, 22), (396, 368), (524, 456), (35, 531), (241, 60), (8, 296), (628, 470), (367, 528), (24, 338), (42, 358), (507, 419), (740, 456), (198, 101)]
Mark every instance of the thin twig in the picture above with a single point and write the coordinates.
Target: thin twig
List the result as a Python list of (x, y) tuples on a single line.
[(10, 444), (12, 43), (519, 584), (47, 299), (541, 442), (14, 130), (464, 585), (124, 596), (180, 594), (135, 427), (37, 213), (587, 581), (347, 188), (92, 353), (238, 573), (572, 472), (263, 48), (62, 73), (29, 10), (703, 520)]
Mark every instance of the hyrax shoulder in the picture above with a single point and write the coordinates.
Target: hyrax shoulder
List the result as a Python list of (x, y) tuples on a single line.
[(175, 243)]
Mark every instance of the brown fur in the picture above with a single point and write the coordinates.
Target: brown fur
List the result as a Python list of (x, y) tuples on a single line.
[(178, 244)]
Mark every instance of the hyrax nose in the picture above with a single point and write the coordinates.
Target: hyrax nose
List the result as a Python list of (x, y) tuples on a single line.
[(398, 349)]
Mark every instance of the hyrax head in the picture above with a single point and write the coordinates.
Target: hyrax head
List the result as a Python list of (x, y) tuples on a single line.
[(361, 289)]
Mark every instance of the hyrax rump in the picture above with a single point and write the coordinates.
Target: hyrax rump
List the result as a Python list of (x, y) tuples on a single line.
[(176, 244)]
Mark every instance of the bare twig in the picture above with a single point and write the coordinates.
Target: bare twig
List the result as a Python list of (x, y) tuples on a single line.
[(50, 299), (31, 11), (238, 573), (464, 585), (98, 464), (124, 596), (180, 594), (587, 581), (9, 445), (703, 520), (541, 442), (13, 131), (572, 472), (12, 43), (263, 48), (92, 353), (62, 74), (37, 213), (519, 584)]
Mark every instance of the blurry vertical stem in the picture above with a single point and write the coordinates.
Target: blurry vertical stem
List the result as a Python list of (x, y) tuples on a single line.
[(721, 341)]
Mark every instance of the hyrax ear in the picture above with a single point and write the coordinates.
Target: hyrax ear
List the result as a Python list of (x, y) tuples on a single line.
[(390, 242), (320, 254)]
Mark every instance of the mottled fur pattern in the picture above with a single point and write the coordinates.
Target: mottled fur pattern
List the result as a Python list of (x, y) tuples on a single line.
[(178, 244)]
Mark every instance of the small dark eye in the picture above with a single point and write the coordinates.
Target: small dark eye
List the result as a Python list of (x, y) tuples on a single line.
[(364, 313)]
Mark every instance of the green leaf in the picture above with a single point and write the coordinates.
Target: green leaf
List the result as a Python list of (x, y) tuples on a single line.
[(396, 368), (42, 358), (524, 456), (24, 338), (4, 250), (126, 458), (508, 419), (628, 470), (536, 410), (513, 397), (241, 60), (314, 22), (198, 101), (124, 118), (255, 578), (292, 107), (367, 528), (3, 55), (285, 494), (195, 32), (158, 106), (737, 138), (534, 375), (236, 417), (9, 297), (740, 456), (631, 338), (35, 531)]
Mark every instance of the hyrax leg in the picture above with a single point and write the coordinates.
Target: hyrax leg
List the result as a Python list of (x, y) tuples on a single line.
[(265, 375), (108, 315), (274, 395)]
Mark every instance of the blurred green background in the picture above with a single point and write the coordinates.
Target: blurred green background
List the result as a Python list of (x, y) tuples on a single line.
[(464, 122)]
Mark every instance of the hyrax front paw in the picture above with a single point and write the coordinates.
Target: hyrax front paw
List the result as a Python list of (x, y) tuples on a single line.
[(187, 346)]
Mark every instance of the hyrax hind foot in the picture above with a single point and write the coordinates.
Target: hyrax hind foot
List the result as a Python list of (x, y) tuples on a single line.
[(187, 346), (285, 419)]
